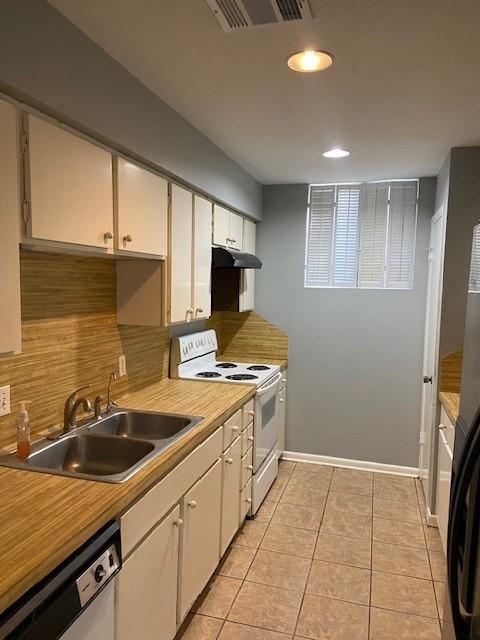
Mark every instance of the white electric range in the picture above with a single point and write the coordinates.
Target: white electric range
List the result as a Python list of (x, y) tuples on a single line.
[(194, 357)]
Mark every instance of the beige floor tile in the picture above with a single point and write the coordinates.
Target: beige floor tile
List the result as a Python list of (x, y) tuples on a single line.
[(265, 513), (352, 475), (298, 542), (339, 581), (347, 524), (432, 536), (218, 597), (404, 594), (292, 515), (440, 596), (360, 505), (235, 631), (405, 561), (356, 553), (327, 619), (200, 628), (390, 480), (358, 488), (305, 493), (267, 607), (308, 470), (251, 534), (400, 511), (236, 562), (285, 468), (277, 488), (395, 488), (391, 625), (280, 570), (438, 564), (407, 534)]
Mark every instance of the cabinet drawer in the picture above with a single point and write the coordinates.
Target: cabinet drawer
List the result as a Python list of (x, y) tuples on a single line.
[(247, 438), (247, 467), (232, 429), (245, 501), (145, 513), (449, 430), (248, 413)]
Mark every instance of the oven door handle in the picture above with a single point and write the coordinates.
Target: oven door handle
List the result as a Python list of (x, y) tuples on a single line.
[(263, 390)]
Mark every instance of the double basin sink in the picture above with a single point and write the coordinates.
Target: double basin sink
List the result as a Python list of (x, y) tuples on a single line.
[(110, 449)]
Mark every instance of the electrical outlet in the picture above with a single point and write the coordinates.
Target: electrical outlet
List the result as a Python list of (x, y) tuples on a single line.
[(122, 366), (5, 400)]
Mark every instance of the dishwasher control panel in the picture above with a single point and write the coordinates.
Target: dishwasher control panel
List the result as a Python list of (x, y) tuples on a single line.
[(97, 574)]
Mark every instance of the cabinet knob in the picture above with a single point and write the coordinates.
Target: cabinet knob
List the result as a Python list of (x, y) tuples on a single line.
[(198, 310), (229, 460), (441, 427), (192, 504), (250, 438), (248, 500), (251, 414), (178, 522), (250, 467), (282, 400), (127, 238), (235, 429), (108, 235)]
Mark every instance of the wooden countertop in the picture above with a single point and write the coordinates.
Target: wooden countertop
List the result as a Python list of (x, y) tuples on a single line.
[(44, 518), (451, 403)]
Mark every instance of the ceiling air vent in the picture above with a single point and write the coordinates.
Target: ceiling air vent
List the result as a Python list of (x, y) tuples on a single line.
[(238, 14)]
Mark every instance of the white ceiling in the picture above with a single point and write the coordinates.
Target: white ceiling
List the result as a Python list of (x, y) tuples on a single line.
[(404, 87)]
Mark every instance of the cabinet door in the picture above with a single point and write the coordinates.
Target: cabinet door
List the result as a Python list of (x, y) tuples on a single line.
[(146, 600), (282, 400), (235, 231), (10, 324), (221, 222), (230, 494), (181, 255), (247, 277), (444, 474), (201, 536), (71, 188), (142, 210), (202, 257)]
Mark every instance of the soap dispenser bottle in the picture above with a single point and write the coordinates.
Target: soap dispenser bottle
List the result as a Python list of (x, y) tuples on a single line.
[(23, 431)]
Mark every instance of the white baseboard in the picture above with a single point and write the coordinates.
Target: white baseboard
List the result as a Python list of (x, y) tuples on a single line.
[(432, 520), (378, 467)]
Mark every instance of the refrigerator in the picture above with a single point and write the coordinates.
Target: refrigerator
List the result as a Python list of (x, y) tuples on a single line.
[(462, 605)]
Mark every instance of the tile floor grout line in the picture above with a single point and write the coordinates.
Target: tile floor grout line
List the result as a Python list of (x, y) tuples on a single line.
[(371, 569)]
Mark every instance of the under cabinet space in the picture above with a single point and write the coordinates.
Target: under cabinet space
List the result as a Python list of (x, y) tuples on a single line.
[(140, 292)]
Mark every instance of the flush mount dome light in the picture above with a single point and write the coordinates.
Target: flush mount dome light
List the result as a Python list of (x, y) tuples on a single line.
[(336, 153), (310, 61)]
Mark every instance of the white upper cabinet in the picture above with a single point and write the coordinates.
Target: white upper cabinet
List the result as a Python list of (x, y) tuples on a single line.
[(202, 257), (10, 323), (70, 188), (141, 210), (227, 228), (247, 277), (181, 247)]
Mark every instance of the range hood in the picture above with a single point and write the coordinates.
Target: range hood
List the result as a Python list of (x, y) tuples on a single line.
[(229, 258)]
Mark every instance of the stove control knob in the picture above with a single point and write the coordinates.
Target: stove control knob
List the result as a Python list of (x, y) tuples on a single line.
[(100, 573)]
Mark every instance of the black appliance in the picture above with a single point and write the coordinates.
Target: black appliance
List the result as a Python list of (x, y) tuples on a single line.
[(462, 605)]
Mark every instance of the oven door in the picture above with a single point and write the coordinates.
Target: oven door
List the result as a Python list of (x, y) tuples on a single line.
[(266, 420)]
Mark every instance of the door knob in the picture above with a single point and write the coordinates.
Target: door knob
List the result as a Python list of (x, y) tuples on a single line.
[(427, 379)]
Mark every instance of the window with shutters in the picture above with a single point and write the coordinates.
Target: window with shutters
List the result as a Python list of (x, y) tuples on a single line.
[(361, 235)]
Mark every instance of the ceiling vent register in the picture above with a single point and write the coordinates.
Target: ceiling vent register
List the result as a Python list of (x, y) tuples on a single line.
[(239, 14)]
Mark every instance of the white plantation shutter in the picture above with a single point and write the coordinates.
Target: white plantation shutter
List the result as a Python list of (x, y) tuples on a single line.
[(401, 234), (318, 263), (373, 233), (346, 236), (474, 279)]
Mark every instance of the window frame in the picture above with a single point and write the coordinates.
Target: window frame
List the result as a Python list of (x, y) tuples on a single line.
[(387, 266)]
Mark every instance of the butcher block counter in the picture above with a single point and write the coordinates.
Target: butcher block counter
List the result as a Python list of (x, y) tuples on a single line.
[(44, 518), (451, 403)]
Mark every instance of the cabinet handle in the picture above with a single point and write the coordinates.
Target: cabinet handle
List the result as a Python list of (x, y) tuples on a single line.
[(198, 310), (108, 235), (232, 240), (248, 500), (189, 313), (250, 438), (229, 460), (192, 504), (250, 467), (235, 429), (178, 523), (127, 238)]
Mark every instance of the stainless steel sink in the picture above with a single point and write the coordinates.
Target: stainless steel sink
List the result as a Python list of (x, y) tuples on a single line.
[(111, 449)]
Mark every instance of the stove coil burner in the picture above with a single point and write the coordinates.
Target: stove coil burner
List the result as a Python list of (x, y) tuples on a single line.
[(242, 376), (209, 374), (226, 365), (258, 367)]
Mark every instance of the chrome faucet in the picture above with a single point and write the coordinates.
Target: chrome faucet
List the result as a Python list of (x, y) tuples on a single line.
[(72, 405), (111, 403)]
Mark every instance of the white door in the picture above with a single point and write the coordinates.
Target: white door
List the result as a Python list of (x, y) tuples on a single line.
[(71, 188), (202, 257), (181, 255), (221, 222), (247, 276), (142, 210), (201, 535), (232, 460), (430, 356), (235, 232), (146, 602)]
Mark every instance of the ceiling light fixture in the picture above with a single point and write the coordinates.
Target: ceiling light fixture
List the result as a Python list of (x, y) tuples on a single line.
[(336, 153), (310, 61)]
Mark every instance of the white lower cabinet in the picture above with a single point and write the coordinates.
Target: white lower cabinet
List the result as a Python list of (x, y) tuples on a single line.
[(446, 435), (146, 597), (201, 536), (230, 493)]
